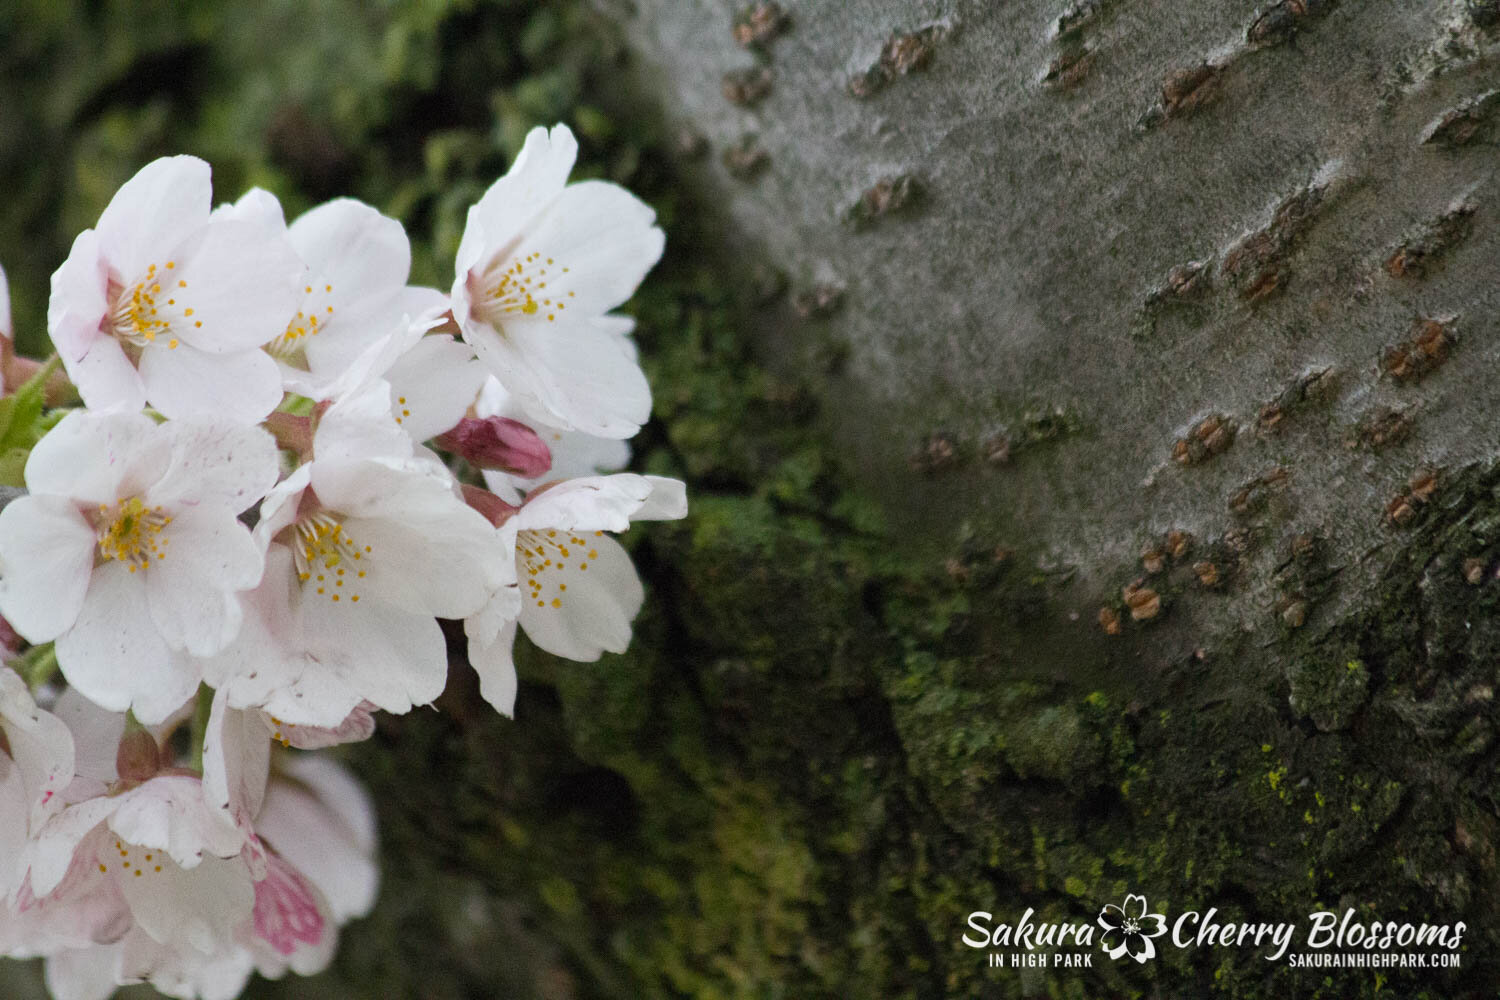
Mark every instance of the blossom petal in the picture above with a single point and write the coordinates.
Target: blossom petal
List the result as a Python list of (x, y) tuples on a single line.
[(193, 584), (165, 203), (187, 382), (202, 906), (322, 821), (240, 282), (433, 385), (535, 178), (116, 657), (351, 246), (96, 457), (96, 735), (82, 973), (217, 461), (106, 379), (592, 503), (46, 558), (594, 614), (236, 762), (494, 663), (79, 299)]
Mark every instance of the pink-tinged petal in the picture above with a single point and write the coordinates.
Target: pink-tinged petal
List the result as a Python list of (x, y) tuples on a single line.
[(202, 906), (41, 748), (291, 917), (596, 241), (577, 378), (321, 820), (83, 973), (192, 585), (594, 614), (498, 443), (216, 461), (240, 283), (79, 299), (594, 503), (534, 180), (116, 657), (186, 382), (236, 762), (96, 735), (46, 558), (357, 727), (433, 385), (96, 457), (54, 846), (165, 203), (496, 668)]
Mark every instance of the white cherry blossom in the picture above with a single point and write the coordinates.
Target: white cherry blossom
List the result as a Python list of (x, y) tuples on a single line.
[(541, 261), (128, 551), (159, 304), (575, 591)]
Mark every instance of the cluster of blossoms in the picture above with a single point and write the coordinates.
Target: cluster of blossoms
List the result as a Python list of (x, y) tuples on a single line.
[(238, 549)]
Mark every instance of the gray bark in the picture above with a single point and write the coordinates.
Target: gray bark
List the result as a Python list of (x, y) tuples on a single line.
[(1163, 214)]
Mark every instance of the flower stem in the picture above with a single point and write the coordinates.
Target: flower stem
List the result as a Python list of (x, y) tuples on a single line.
[(37, 665), (200, 724)]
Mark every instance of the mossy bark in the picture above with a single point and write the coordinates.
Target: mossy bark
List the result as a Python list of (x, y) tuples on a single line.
[(926, 644)]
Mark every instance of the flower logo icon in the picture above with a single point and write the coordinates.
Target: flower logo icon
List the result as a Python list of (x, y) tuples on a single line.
[(1128, 929)]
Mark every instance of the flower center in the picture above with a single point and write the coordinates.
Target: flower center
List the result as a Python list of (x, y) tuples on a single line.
[(327, 559), (544, 558), (146, 310), (519, 288), (315, 313), (132, 533), (1132, 926)]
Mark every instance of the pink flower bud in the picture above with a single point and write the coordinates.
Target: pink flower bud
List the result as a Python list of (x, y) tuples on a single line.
[(499, 443)]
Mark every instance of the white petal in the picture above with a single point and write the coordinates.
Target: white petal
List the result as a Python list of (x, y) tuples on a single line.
[(116, 657), (216, 461), (96, 457), (236, 762), (165, 203), (202, 906), (46, 558), (667, 502), (359, 426), (79, 299), (568, 375), (433, 385), (83, 973), (365, 652), (256, 205), (351, 246), (594, 614), (599, 239), (106, 379), (192, 585), (239, 280), (280, 507), (496, 668), (535, 178), (186, 382), (593, 503), (171, 813), (443, 563), (96, 735), (6, 330), (41, 748)]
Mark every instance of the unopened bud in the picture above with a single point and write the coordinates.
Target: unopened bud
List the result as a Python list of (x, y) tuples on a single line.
[(495, 510), (138, 758), (499, 443)]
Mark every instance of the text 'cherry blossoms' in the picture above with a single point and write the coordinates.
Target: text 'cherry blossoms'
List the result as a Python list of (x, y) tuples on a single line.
[(287, 465)]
